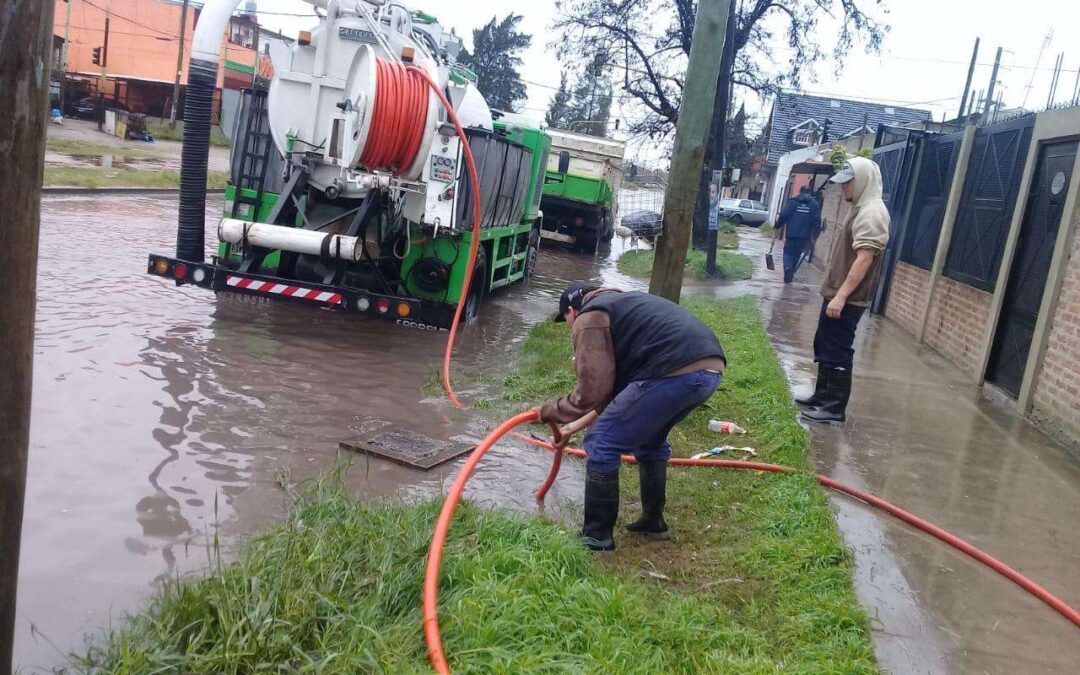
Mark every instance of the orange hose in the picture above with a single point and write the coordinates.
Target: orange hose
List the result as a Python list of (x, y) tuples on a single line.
[(474, 248), (442, 527), (399, 117), (556, 434), (1055, 603)]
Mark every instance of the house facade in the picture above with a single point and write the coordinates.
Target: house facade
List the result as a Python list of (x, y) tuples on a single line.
[(800, 122), (143, 44)]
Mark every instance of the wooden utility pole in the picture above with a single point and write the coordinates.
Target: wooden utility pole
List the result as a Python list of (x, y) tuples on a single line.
[(989, 103), (722, 102), (64, 53), (970, 76), (180, 66), (26, 31), (691, 137)]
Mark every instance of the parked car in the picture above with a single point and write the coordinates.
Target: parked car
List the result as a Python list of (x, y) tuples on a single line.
[(744, 211), (642, 223), (86, 108)]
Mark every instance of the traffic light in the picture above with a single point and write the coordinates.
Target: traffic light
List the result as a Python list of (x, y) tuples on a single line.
[(97, 56)]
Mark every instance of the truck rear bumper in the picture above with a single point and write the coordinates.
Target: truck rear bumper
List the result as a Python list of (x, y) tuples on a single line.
[(408, 312)]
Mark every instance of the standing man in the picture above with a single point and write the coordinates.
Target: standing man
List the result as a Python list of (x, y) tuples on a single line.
[(849, 285), (798, 224), (643, 364)]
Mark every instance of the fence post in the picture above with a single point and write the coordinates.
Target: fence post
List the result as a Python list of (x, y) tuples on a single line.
[(952, 208)]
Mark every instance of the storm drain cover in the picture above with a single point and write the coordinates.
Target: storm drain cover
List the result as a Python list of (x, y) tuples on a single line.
[(409, 448)]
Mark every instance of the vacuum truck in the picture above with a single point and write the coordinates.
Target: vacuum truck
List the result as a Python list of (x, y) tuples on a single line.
[(349, 188)]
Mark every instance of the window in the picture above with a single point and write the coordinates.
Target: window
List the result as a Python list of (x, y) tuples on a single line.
[(805, 136), (890, 111), (759, 206), (242, 34), (746, 204), (834, 104)]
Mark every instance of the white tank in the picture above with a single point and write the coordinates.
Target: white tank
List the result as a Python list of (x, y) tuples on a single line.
[(322, 97)]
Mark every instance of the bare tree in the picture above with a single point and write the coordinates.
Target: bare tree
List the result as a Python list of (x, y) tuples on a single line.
[(648, 44)]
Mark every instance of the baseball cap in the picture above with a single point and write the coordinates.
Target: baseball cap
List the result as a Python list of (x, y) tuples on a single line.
[(572, 297), (845, 174)]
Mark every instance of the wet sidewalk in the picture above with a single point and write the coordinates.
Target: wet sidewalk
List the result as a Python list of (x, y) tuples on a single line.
[(919, 435)]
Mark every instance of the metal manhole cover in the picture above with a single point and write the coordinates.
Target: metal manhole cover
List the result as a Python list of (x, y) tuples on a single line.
[(409, 448)]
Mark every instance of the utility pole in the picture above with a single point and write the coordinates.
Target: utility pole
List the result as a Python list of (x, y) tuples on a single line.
[(64, 51), (691, 137), (971, 74), (25, 63), (180, 66), (1076, 88), (1035, 71), (719, 138), (993, 82), (866, 123), (1054, 80)]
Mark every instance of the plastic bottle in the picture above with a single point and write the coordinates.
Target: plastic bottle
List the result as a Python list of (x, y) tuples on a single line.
[(725, 427)]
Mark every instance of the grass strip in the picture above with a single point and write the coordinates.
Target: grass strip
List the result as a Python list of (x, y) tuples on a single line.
[(71, 146), (159, 128), (95, 177), (754, 581), (729, 265)]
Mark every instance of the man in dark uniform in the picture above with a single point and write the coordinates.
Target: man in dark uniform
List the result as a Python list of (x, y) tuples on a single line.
[(798, 224), (643, 364)]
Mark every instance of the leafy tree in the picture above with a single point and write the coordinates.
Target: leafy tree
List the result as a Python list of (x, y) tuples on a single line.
[(592, 98), (585, 106), (558, 114), (495, 61), (648, 44)]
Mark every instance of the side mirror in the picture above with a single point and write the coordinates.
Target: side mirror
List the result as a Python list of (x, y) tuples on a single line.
[(564, 162)]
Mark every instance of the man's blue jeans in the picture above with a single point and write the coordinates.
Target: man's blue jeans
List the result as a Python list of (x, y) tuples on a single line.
[(639, 418)]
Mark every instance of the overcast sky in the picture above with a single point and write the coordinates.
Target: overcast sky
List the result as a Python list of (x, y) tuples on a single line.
[(923, 62)]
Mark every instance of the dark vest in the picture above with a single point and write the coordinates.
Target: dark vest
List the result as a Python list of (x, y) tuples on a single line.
[(652, 336)]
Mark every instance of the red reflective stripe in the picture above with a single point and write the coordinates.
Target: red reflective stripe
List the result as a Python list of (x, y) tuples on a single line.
[(244, 283)]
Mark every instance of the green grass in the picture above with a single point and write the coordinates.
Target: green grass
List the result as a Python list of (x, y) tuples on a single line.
[(767, 230), (729, 265), (754, 581), (160, 130), (95, 177), (73, 146)]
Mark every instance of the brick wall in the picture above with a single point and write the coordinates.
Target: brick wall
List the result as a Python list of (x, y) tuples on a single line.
[(1057, 386), (956, 325), (907, 296)]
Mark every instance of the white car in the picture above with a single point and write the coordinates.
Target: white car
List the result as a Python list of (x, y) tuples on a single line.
[(743, 211)]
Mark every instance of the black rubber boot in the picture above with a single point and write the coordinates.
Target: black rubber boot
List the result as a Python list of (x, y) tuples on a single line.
[(837, 393), (818, 397), (601, 510), (653, 476)]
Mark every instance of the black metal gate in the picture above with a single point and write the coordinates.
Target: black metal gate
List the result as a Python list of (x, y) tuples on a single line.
[(987, 203), (896, 161), (937, 165), (1031, 265)]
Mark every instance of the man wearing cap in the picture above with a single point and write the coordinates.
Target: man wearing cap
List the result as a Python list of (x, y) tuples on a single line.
[(798, 224), (848, 287), (643, 364)]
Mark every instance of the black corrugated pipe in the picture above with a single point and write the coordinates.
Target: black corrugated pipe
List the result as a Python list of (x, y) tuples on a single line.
[(198, 107)]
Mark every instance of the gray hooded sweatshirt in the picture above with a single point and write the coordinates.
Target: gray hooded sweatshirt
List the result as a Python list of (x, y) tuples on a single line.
[(866, 227)]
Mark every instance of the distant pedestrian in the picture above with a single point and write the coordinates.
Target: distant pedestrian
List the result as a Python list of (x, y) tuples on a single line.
[(798, 225), (849, 284)]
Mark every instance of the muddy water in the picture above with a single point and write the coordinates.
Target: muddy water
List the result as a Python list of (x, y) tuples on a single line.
[(164, 415)]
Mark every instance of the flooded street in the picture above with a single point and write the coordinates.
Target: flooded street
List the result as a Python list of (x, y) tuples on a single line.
[(160, 414), (163, 416)]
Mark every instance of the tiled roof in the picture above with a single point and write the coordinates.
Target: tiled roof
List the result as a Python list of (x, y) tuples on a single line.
[(791, 109)]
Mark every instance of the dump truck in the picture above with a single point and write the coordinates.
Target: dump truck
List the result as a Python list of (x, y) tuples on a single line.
[(349, 188), (581, 188)]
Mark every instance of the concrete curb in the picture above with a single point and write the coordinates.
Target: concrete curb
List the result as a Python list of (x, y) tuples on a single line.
[(150, 191)]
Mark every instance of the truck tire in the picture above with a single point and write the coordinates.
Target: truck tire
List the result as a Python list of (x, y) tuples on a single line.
[(532, 255), (475, 300)]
